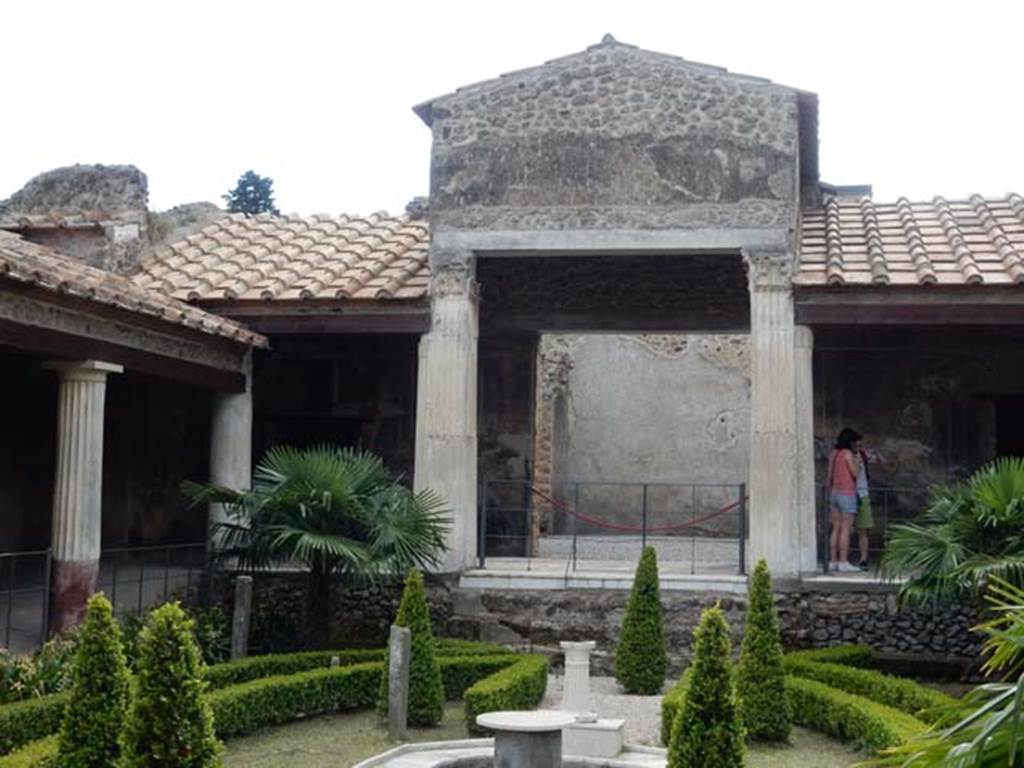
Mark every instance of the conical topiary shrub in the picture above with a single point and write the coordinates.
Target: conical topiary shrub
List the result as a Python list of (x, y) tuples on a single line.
[(640, 658), (426, 691), (760, 679), (170, 723), (707, 732), (89, 734)]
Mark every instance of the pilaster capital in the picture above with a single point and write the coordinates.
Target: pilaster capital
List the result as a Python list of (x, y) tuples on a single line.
[(803, 337), (83, 370), (769, 270), (453, 279)]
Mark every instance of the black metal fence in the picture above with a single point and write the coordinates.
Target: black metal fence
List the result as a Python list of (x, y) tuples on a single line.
[(133, 578), (696, 527)]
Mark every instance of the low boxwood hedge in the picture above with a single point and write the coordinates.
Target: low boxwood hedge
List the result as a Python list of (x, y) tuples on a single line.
[(35, 754), (519, 686), (671, 703), (849, 717), (900, 693), (846, 655), (25, 721), (272, 664)]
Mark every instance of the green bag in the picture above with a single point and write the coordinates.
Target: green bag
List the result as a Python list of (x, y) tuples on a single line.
[(865, 517)]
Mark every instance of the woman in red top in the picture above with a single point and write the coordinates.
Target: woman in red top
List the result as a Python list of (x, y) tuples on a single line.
[(843, 466)]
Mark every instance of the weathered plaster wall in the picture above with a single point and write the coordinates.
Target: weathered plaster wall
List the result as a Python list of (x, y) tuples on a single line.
[(668, 409), (615, 137)]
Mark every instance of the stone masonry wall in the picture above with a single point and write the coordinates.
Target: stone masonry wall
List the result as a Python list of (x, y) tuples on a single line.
[(615, 137)]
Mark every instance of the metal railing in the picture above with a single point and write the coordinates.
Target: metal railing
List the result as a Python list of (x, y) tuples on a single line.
[(889, 504), (695, 527), (133, 578), (25, 598)]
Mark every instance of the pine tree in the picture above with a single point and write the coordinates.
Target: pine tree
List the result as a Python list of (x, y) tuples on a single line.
[(761, 681), (426, 690), (170, 724), (707, 732), (640, 658), (99, 692), (252, 194)]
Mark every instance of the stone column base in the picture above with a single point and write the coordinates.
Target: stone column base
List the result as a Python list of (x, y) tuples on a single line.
[(72, 583)]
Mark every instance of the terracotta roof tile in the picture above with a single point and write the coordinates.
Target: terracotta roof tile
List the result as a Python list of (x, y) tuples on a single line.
[(28, 262), (282, 258), (978, 241)]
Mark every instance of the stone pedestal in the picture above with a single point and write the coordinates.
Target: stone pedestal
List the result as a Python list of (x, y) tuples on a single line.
[(774, 462), (603, 738), (78, 488), (446, 411), (576, 690), (231, 442), (526, 739)]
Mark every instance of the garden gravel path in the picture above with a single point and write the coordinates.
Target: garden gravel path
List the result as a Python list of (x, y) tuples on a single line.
[(641, 713)]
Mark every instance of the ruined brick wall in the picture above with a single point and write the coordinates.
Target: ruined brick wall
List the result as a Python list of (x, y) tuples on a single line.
[(615, 137)]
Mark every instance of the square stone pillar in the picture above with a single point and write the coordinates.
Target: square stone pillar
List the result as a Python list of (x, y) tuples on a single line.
[(446, 403), (806, 487), (78, 488), (775, 531), (231, 442)]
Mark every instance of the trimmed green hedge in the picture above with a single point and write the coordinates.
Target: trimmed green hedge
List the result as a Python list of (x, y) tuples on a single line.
[(519, 686), (25, 721), (900, 693), (275, 664), (246, 706), (671, 703), (847, 655), (35, 754), (849, 717)]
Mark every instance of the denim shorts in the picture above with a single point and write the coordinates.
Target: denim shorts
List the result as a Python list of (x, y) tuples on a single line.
[(845, 503)]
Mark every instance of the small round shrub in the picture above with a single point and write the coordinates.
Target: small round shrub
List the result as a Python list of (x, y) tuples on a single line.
[(761, 678), (170, 724), (707, 732), (640, 658), (99, 692), (426, 690)]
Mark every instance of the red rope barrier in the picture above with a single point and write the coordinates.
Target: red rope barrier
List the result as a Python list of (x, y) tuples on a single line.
[(563, 507)]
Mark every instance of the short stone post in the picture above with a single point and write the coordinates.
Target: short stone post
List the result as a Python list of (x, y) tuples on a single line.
[(399, 651), (576, 691), (242, 617)]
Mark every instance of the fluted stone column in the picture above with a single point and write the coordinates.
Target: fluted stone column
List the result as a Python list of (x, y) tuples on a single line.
[(231, 442), (446, 398), (774, 463), (806, 489), (78, 488)]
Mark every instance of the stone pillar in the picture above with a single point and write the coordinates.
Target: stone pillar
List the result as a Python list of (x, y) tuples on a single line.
[(576, 690), (807, 515), (231, 441), (446, 403), (774, 465), (78, 488)]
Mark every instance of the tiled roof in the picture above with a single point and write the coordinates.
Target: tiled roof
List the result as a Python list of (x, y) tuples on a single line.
[(27, 262), (978, 241), (379, 257)]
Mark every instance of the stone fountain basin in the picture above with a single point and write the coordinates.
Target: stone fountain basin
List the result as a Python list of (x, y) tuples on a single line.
[(479, 753)]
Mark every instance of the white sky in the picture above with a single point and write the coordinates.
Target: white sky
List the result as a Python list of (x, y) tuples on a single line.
[(917, 98)]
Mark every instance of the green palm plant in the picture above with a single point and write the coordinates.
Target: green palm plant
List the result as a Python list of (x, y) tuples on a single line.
[(337, 511), (970, 533), (991, 735)]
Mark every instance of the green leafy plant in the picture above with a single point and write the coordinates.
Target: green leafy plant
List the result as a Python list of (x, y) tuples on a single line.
[(426, 690), (253, 194), (970, 533), (760, 678), (991, 734), (671, 703), (640, 657), (707, 732), (89, 735), (47, 671), (170, 723), (336, 511)]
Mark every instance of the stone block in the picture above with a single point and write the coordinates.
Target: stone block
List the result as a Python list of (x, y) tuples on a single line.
[(603, 738)]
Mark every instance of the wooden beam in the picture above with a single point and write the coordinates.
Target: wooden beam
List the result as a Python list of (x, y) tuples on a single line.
[(402, 322), (43, 341), (925, 314), (599, 322)]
